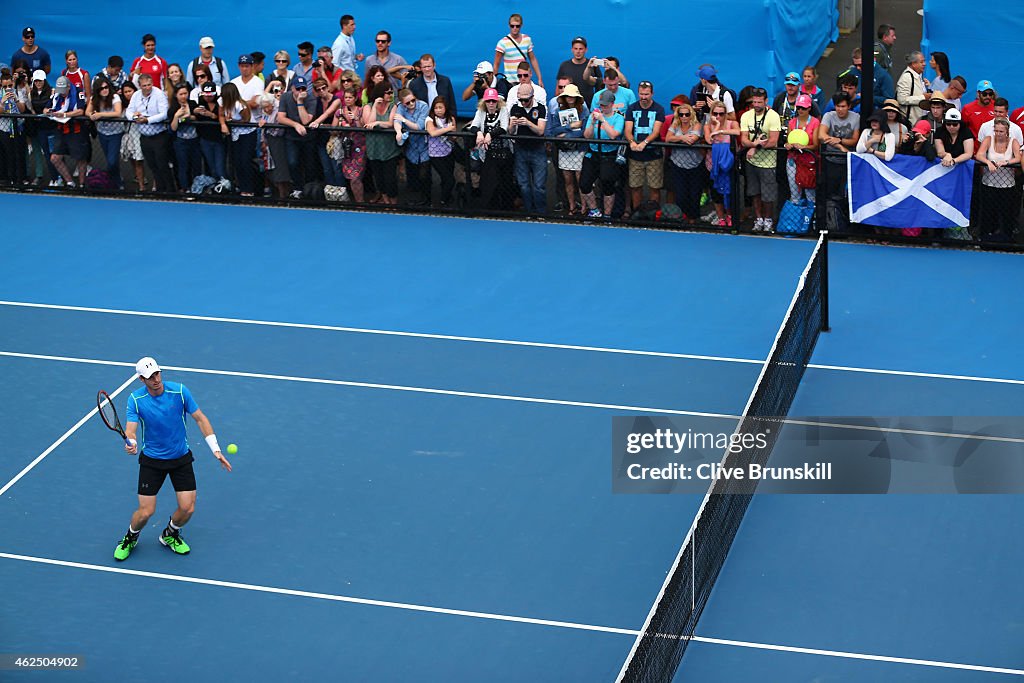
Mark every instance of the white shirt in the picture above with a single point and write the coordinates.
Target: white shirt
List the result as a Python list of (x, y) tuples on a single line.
[(539, 95), (986, 130), (153, 108), (254, 88)]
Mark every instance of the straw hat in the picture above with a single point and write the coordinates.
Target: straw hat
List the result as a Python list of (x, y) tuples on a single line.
[(570, 91)]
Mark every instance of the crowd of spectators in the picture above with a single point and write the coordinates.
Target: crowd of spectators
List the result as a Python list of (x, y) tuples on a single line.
[(373, 127)]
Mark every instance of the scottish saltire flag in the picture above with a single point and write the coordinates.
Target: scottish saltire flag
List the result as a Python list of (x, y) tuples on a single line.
[(909, 192)]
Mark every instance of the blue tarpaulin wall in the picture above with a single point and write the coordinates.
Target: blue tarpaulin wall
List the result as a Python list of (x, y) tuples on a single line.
[(992, 54), (749, 41)]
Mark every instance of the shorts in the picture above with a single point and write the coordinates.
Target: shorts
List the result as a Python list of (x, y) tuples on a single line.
[(75, 145), (153, 471), (653, 172), (762, 181)]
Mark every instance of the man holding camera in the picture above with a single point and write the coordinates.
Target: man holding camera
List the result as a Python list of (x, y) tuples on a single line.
[(483, 79), (326, 70)]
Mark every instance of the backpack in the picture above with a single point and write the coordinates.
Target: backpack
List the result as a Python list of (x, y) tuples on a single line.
[(199, 60), (99, 180), (313, 190), (202, 183)]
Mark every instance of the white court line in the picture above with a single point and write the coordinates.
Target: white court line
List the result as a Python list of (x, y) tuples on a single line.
[(391, 387), (493, 617), (320, 596), (509, 397), (857, 655), (507, 342), (63, 438), (392, 333)]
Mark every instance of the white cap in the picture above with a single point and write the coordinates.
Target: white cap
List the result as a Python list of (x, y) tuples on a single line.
[(146, 367), (483, 67), (38, 75), (206, 41)]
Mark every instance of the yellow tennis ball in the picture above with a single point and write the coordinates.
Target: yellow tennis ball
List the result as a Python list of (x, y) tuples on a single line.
[(232, 449)]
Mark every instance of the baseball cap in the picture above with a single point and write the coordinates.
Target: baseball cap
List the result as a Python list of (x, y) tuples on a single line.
[(953, 115), (206, 41), (579, 39), (923, 127), (146, 367), (208, 87), (792, 78), (679, 99), (38, 75), (606, 98), (299, 82), (62, 85), (483, 68), (490, 94), (985, 84), (245, 59), (804, 101), (27, 31), (707, 72)]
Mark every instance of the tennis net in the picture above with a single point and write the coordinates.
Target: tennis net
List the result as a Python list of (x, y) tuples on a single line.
[(670, 625)]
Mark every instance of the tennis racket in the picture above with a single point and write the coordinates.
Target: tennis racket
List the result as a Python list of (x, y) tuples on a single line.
[(108, 413)]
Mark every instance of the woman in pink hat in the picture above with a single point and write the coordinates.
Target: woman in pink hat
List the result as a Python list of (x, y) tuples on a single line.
[(802, 160)]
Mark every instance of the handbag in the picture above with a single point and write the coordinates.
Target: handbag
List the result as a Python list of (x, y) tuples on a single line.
[(795, 218), (806, 170)]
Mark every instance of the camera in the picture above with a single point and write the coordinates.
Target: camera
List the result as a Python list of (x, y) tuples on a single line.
[(347, 147)]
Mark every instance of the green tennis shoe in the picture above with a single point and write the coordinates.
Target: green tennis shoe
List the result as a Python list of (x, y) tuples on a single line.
[(174, 541), (124, 548)]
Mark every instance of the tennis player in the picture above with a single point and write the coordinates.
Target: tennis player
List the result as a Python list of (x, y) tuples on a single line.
[(163, 450)]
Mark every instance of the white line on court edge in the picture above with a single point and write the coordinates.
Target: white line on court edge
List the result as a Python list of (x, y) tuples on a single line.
[(319, 596), (855, 655), (392, 333), (63, 438), (493, 617), (509, 397), (392, 387), (507, 342)]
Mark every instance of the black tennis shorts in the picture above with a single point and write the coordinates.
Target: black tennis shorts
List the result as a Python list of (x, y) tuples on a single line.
[(152, 473)]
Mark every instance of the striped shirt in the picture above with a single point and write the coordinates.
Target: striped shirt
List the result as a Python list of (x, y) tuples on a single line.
[(514, 53)]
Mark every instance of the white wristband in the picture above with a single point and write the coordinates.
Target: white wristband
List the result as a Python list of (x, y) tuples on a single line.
[(211, 441)]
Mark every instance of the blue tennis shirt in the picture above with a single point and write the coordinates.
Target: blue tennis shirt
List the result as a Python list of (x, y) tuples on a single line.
[(162, 419)]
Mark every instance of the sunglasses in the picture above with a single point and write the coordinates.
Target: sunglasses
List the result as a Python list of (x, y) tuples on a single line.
[(646, 84), (389, 93), (346, 80), (526, 99), (522, 76), (201, 75), (684, 114), (305, 54), (952, 123), (514, 25), (759, 92), (322, 88), (381, 41), (104, 87), (281, 61)]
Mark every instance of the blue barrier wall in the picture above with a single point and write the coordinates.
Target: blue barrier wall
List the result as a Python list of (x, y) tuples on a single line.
[(990, 51), (750, 41)]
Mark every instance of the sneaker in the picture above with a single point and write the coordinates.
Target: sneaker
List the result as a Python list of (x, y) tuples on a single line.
[(174, 541), (296, 194), (710, 218), (720, 223), (767, 225), (124, 548), (728, 221), (594, 213), (758, 224), (70, 184)]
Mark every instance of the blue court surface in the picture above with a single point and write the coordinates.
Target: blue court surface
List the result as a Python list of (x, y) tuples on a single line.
[(423, 410)]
